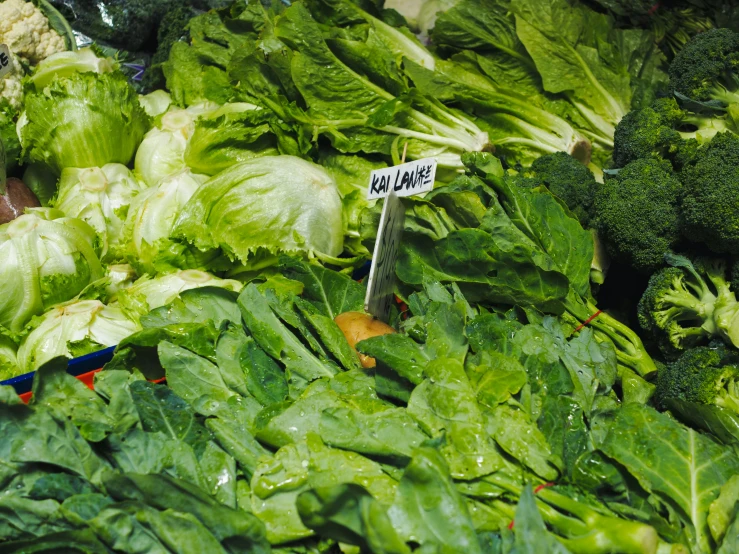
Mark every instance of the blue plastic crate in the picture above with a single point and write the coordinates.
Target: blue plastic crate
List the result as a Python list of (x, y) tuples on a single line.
[(76, 366)]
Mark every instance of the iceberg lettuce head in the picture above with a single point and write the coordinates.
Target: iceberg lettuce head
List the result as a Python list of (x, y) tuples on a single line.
[(73, 329), (265, 206), (162, 152), (46, 259), (100, 196), (84, 120), (146, 242)]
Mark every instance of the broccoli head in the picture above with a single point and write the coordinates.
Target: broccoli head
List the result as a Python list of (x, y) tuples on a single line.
[(636, 213), (706, 68), (125, 24), (702, 375), (711, 188), (689, 303), (569, 180), (663, 130)]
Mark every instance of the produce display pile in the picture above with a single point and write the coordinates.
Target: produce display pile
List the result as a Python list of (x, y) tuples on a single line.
[(560, 372)]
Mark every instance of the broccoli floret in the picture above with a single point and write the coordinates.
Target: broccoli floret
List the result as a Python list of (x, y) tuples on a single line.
[(711, 187), (637, 213), (663, 130), (677, 307), (704, 375), (125, 24), (688, 303), (569, 180), (706, 68)]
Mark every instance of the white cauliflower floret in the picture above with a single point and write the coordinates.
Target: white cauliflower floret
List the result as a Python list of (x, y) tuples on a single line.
[(25, 29), (11, 87)]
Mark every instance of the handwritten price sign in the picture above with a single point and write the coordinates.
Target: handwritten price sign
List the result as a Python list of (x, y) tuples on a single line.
[(6, 63), (414, 177)]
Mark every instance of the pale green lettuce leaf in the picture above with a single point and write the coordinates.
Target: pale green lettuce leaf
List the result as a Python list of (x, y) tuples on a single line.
[(146, 242), (149, 293), (8, 360), (84, 120), (100, 196), (71, 330), (274, 204), (234, 133), (155, 103), (162, 151), (47, 259), (64, 64)]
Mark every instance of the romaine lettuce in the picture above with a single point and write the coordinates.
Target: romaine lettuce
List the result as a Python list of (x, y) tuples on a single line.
[(46, 259), (72, 330), (356, 112), (262, 207), (99, 196)]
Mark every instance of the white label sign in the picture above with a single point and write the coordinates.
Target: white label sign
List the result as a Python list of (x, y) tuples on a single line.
[(406, 179), (6, 63), (381, 282)]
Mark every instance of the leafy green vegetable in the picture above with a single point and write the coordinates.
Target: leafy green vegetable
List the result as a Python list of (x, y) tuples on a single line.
[(48, 259), (101, 197), (147, 244), (672, 461), (262, 207), (83, 120)]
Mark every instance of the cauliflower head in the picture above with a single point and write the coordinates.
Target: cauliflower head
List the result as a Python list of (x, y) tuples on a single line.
[(26, 31)]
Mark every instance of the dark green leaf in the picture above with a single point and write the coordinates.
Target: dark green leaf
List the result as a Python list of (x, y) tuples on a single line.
[(672, 461), (348, 513), (331, 292), (161, 410), (200, 305), (429, 510)]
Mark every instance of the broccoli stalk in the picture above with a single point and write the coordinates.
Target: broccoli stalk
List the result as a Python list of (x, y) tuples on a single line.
[(583, 528), (630, 351)]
